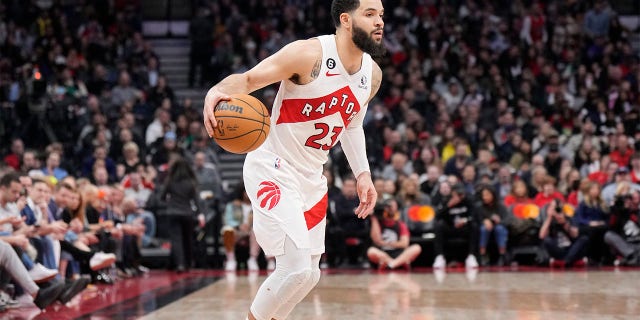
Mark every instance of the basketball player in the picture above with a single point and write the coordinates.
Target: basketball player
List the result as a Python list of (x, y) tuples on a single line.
[(325, 86)]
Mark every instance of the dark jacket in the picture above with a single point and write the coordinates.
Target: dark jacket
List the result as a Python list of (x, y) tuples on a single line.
[(182, 198), (486, 211), (464, 209)]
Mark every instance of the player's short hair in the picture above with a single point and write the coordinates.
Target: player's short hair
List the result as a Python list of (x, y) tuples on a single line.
[(339, 7)]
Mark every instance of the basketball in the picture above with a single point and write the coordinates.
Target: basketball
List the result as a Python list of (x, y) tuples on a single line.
[(243, 123)]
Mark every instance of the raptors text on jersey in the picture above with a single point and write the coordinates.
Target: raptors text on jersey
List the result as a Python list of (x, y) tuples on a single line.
[(311, 118)]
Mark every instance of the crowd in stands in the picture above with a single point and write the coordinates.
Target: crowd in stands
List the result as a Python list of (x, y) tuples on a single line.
[(514, 122)]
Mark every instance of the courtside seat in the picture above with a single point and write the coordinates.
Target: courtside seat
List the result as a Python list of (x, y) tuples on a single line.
[(421, 223), (524, 224)]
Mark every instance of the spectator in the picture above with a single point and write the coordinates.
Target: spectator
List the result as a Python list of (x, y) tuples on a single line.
[(399, 165), (200, 34), (390, 238), (208, 177), (355, 229), (237, 222), (180, 192), (456, 218), (456, 164), (621, 176), (624, 234), (518, 195), (548, 192), (491, 216), (52, 167), (591, 219), (597, 20), (561, 239), (17, 151)]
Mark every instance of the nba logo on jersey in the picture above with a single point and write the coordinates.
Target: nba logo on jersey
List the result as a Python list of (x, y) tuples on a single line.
[(268, 194), (277, 163), (363, 83)]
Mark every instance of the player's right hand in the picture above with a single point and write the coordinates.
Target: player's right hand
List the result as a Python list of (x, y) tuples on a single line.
[(210, 102)]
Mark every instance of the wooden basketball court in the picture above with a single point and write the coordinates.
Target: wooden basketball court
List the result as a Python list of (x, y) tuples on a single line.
[(424, 295)]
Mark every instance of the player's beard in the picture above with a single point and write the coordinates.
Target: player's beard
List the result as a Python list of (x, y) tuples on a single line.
[(364, 41)]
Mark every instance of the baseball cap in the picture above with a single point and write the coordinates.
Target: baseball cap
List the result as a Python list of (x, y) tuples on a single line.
[(423, 135)]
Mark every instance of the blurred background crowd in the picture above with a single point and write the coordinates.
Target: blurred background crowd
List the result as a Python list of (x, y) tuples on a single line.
[(502, 128)]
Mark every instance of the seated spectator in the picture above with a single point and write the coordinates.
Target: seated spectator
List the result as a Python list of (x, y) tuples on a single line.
[(52, 167), (10, 264), (356, 230), (409, 194), (591, 219), (456, 164), (390, 238), (36, 213), (519, 194), (456, 219), (130, 157), (100, 154), (623, 236), (491, 217), (17, 151), (400, 164), (562, 240), (548, 192), (430, 180), (621, 176), (237, 222)]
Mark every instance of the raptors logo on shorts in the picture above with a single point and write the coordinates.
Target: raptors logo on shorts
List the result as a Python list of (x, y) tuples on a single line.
[(268, 194)]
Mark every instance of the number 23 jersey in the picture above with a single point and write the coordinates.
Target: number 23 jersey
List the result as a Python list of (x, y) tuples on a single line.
[(311, 118)]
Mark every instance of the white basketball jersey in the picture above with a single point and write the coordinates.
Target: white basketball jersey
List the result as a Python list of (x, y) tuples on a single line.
[(308, 120)]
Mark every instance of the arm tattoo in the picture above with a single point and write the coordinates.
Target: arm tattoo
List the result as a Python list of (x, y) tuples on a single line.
[(316, 69)]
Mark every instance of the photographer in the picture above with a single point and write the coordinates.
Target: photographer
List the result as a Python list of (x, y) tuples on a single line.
[(624, 234), (390, 238), (562, 239)]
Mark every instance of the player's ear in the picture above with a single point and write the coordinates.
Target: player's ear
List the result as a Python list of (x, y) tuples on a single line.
[(345, 20)]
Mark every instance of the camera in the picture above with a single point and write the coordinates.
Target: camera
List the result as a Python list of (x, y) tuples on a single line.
[(558, 208)]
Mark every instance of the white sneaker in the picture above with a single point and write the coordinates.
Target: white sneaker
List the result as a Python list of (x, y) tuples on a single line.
[(101, 260), (440, 262), (252, 264), (231, 265), (40, 273), (471, 262), (271, 265)]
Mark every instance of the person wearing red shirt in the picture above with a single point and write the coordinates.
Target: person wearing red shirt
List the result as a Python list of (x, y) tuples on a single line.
[(622, 154), (17, 149), (390, 238), (635, 167), (548, 192), (519, 194)]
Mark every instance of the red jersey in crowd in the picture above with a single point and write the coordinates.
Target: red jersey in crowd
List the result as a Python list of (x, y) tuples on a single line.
[(541, 199)]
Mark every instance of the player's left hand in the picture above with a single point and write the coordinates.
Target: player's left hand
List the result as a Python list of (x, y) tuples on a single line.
[(367, 194)]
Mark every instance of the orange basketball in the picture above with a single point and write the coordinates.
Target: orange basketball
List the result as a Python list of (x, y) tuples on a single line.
[(243, 123)]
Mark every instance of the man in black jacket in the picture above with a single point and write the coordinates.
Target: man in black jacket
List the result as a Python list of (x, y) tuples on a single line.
[(456, 218)]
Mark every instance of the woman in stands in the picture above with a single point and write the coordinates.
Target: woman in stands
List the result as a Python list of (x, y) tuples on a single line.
[(591, 218), (181, 195), (519, 194), (492, 215)]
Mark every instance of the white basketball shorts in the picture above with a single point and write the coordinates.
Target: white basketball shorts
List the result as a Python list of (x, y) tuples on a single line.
[(285, 203)]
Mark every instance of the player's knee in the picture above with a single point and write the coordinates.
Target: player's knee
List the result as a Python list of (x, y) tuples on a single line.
[(297, 279)]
